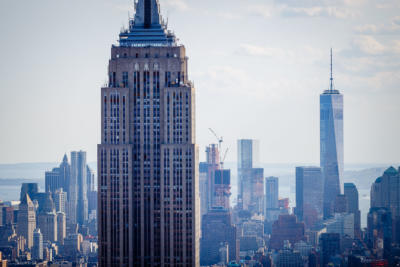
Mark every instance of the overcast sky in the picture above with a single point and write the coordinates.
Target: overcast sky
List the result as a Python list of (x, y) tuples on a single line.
[(258, 68)]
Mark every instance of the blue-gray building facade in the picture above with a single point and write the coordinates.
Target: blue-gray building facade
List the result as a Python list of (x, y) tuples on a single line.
[(331, 146)]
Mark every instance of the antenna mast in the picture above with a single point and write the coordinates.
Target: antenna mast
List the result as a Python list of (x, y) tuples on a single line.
[(331, 80)]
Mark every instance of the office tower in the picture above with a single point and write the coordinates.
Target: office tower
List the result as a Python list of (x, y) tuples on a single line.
[(65, 173), (253, 190), (331, 144), (379, 230), (61, 227), (351, 192), (286, 228), (90, 180), (60, 198), (217, 228), (271, 198), (47, 220), (58, 177), (26, 220), (37, 250), (330, 247), (29, 188), (53, 180), (203, 189), (78, 187), (385, 193), (309, 195), (147, 159), (248, 156), (92, 201)]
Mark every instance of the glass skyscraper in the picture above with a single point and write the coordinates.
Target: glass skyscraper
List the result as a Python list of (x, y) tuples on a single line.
[(331, 144)]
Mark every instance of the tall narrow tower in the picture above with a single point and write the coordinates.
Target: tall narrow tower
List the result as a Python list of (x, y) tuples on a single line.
[(331, 144), (147, 160)]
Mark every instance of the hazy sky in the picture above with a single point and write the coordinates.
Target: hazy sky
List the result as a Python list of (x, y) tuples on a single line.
[(258, 67)]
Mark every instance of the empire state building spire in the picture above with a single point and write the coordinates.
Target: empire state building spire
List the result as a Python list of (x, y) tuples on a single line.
[(147, 28), (147, 13)]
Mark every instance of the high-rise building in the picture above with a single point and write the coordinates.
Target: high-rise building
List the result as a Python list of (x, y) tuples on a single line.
[(351, 192), (272, 198), (248, 157), (203, 189), (222, 188), (341, 223), (53, 180), (385, 193), (213, 164), (147, 159), (26, 220), (379, 233), (286, 228), (90, 180), (78, 187), (331, 144), (309, 195), (29, 188), (65, 173), (37, 250), (61, 227), (58, 177), (217, 229), (330, 246), (47, 220), (60, 199)]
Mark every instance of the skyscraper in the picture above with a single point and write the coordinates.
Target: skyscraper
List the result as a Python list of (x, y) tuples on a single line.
[(37, 250), (26, 220), (351, 192), (213, 164), (61, 227), (78, 186), (147, 159), (29, 188), (217, 228), (331, 144), (271, 198), (309, 195), (47, 220), (248, 156)]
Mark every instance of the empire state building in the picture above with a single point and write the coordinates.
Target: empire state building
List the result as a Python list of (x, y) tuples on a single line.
[(147, 160)]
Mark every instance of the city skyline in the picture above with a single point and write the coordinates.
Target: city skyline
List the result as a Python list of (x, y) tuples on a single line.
[(156, 198), (366, 69)]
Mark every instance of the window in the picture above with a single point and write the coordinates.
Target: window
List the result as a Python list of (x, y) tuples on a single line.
[(125, 79)]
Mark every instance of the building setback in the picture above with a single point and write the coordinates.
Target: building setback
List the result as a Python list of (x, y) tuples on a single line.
[(147, 159)]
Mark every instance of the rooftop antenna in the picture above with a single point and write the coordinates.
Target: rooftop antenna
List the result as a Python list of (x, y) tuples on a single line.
[(331, 80)]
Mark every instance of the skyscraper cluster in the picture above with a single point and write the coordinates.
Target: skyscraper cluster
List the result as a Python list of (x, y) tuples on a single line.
[(44, 220), (72, 187)]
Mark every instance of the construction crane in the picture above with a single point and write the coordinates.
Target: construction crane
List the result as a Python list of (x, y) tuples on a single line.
[(220, 141), (223, 158)]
